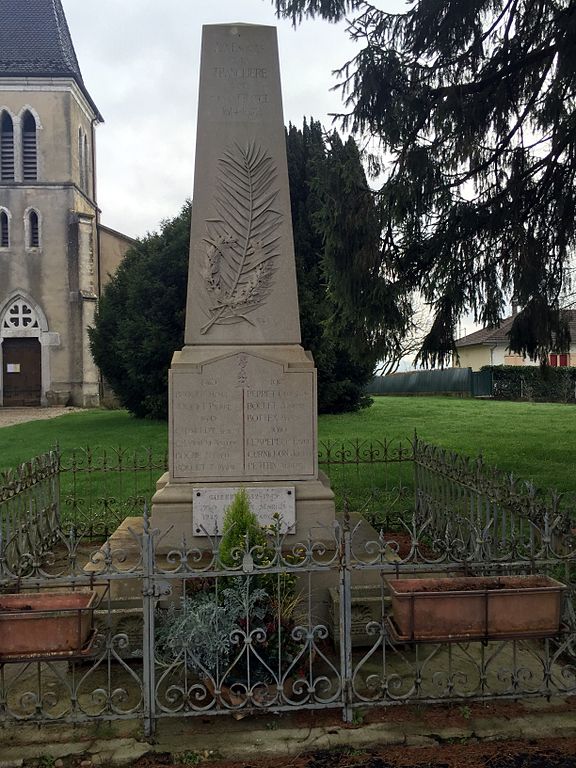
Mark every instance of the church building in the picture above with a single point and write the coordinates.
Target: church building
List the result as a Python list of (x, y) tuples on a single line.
[(54, 254)]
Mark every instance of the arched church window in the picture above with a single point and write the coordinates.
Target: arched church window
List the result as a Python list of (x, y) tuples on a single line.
[(20, 315), (29, 148), (33, 230), (6, 147), (4, 230)]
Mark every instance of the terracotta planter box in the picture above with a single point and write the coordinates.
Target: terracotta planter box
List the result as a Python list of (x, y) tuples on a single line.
[(45, 623), (484, 607)]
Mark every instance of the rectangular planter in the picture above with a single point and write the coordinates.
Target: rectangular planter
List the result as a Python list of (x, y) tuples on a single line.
[(470, 607), (45, 622)]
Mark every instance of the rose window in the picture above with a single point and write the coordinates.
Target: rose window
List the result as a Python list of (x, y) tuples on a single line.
[(20, 315)]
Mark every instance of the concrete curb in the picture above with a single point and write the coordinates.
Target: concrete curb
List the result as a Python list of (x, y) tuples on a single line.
[(290, 741), (249, 738), (100, 751)]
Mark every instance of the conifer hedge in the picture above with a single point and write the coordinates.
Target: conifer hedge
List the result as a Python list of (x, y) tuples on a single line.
[(540, 384)]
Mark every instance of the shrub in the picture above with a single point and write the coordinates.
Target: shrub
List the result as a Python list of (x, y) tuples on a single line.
[(239, 625), (204, 627), (242, 533), (530, 382)]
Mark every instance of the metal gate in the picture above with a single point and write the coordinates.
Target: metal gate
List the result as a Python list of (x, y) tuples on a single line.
[(337, 646), (482, 384)]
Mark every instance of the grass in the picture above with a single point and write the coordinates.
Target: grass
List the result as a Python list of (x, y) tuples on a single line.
[(535, 441), (100, 497), (94, 428)]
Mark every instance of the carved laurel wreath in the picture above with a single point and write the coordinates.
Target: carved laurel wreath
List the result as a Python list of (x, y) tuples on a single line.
[(243, 242)]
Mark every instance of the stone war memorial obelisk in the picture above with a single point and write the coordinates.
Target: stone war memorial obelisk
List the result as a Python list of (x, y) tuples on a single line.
[(242, 399)]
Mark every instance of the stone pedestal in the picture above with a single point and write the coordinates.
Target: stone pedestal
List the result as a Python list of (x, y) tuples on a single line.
[(173, 508), (242, 413), (242, 416)]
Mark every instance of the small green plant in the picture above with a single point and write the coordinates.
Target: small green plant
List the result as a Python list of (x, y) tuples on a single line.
[(466, 712), (242, 533), (416, 709), (46, 761), (353, 751), (235, 628), (245, 537), (187, 758), (357, 717), (203, 627)]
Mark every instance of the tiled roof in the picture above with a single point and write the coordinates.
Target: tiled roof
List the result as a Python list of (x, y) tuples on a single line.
[(35, 42), (499, 335)]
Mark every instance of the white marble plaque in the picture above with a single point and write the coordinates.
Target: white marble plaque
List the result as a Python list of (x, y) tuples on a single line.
[(272, 506)]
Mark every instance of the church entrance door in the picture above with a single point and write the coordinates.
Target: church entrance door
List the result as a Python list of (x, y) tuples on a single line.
[(21, 371)]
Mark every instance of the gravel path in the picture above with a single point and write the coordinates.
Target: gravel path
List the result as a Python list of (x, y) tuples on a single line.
[(11, 416)]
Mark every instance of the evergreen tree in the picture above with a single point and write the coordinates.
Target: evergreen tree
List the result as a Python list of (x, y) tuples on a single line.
[(473, 102), (140, 319), (328, 189)]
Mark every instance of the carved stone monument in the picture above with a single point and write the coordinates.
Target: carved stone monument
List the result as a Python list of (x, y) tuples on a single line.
[(242, 390)]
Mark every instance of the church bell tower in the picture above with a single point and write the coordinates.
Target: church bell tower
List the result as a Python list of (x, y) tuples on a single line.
[(49, 249)]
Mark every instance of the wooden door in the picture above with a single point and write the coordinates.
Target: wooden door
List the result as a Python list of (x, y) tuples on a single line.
[(21, 372)]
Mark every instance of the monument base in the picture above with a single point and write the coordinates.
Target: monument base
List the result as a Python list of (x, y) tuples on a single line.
[(173, 506)]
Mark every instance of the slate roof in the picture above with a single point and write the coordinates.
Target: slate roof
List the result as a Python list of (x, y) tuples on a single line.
[(35, 42), (499, 335)]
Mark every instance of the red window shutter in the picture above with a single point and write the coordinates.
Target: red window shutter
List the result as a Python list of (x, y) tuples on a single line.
[(563, 360), (553, 361)]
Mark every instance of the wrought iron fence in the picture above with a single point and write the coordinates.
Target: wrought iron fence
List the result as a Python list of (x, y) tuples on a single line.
[(99, 487), (382, 480), (375, 478), (94, 490), (30, 507), (282, 625), (490, 508)]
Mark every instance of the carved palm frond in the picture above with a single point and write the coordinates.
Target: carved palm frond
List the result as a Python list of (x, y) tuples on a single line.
[(243, 241)]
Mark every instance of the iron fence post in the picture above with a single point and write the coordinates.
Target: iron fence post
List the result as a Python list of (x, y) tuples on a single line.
[(57, 463), (148, 592), (345, 580)]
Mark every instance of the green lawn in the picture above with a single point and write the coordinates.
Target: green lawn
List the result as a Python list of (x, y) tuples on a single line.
[(94, 428), (534, 441), (97, 443)]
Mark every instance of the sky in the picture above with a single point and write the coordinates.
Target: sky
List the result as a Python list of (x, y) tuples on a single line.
[(140, 61)]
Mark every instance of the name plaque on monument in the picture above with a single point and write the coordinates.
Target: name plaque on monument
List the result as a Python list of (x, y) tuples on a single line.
[(272, 506), (242, 417)]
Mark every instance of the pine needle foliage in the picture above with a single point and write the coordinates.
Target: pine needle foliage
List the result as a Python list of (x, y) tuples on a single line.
[(336, 229), (471, 104)]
